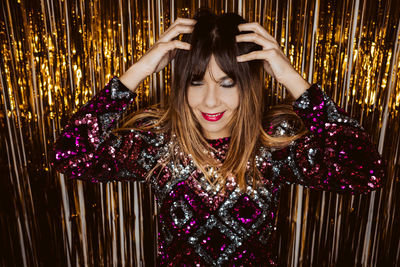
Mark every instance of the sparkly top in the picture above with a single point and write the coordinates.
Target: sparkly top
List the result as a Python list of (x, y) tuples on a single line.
[(201, 225)]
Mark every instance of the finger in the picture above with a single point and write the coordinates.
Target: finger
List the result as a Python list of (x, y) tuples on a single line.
[(174, 32), (257, 28), (258, 39), (175, 44), (185, 21), (261, 54), (182, 22)]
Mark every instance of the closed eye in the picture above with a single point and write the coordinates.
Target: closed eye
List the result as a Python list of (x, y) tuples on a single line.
[(196, 83), (227, 83)]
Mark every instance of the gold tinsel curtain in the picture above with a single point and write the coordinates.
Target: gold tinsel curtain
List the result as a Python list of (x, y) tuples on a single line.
[(56, 54)]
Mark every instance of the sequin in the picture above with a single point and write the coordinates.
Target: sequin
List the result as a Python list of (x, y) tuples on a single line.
[(201, 225)]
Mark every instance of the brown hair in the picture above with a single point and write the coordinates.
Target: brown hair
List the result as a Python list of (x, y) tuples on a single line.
[(215, 35)]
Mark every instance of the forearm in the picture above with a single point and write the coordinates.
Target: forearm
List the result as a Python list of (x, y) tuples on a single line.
[(296, 85), (133, 77)]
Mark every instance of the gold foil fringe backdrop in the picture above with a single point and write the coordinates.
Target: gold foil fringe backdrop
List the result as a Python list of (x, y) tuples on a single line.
[(55, 55)]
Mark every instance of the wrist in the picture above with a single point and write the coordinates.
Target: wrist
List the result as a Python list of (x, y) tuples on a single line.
[(132, 77), (296, 85)]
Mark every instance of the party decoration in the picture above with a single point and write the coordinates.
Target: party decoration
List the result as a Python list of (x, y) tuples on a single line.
[(55, 55)]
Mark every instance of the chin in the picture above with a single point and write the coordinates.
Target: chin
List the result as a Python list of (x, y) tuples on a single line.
[(213, 133)]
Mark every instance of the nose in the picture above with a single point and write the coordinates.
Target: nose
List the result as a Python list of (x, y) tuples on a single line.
[(211, 96)]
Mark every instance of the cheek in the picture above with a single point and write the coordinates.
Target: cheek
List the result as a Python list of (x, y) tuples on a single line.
[(232, 99), (193, 98)]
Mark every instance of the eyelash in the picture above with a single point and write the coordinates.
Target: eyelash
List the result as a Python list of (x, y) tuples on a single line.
[(229, 86), (225, 86), (195, 83)]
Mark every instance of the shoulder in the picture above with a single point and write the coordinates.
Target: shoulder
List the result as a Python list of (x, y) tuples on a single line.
[(282, 121), (281, 128), (146, 126), (284, 125), (151, 119)]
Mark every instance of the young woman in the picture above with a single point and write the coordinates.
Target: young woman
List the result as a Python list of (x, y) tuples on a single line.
[(216, 156)]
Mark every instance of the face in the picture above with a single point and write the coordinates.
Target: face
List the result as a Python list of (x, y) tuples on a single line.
[(213, 101)]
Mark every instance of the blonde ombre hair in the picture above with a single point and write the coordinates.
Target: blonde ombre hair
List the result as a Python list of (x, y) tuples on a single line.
[(215, 35)]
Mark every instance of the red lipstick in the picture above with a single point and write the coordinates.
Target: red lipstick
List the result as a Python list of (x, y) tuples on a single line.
[(213, 116)]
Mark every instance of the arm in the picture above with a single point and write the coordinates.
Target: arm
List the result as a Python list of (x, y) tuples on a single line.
[(86, 148), (336, 155)]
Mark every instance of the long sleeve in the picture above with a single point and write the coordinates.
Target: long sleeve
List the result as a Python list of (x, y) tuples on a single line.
[(87, 149), (337, 154)]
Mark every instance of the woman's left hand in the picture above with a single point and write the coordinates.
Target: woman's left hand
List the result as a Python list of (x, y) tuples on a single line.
[(275, 61)]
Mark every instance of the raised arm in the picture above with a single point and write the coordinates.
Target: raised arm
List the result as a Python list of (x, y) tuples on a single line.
[(338, 154), (88, 149)]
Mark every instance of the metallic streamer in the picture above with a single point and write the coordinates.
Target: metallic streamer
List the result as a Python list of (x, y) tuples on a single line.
[(55, 55)]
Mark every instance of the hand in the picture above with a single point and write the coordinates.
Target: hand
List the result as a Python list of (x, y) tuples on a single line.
[(275, 62), (160, 54)]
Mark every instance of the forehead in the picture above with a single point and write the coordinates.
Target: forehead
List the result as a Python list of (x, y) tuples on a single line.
[(213, 70)]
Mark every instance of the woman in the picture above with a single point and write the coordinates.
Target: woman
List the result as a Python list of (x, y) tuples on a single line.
[(216, 158)]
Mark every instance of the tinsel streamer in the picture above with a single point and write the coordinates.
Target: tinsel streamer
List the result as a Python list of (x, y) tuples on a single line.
[(56, 54)]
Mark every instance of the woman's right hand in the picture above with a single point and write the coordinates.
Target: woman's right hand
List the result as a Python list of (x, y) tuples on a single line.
[(159, 55)]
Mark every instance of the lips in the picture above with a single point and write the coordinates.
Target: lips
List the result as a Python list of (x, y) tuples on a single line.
[(213, 116)]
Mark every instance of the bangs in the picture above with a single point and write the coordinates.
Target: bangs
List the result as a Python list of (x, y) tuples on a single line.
[(216, 35)]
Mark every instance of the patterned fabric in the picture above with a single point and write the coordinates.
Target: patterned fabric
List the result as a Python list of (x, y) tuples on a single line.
[(200, 225)]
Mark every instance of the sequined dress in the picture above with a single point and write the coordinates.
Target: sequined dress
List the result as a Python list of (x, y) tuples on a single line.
[(201, 226)]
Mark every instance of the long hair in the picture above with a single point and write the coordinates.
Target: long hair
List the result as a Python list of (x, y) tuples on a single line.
[(215, 35)]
